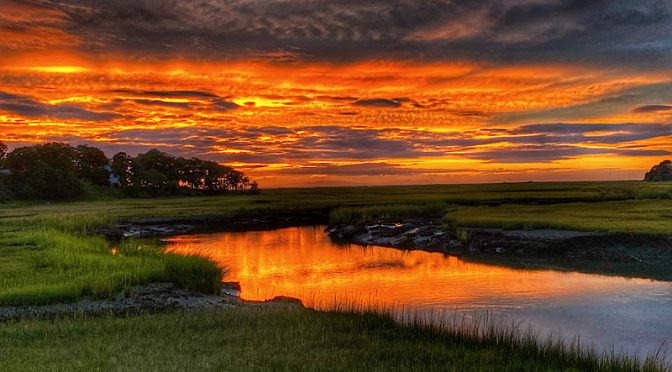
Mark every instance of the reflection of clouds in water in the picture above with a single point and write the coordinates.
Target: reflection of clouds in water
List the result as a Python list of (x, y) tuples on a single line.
[(632, 315), (383, 265)]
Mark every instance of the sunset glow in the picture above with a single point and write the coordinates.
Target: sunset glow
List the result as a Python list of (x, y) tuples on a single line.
[(322, 97)]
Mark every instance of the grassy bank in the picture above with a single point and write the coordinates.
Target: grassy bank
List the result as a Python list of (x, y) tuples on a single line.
[(48, 252), (48, 258), (280, 339)]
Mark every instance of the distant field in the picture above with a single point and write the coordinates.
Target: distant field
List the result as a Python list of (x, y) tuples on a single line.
[(331, 197), (628, 216), (47, 252)]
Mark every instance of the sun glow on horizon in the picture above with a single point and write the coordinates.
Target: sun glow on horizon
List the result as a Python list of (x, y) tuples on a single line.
[(58, 69)]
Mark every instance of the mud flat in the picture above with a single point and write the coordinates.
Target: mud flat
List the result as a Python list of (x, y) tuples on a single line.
[(151, 298), (645, 256)]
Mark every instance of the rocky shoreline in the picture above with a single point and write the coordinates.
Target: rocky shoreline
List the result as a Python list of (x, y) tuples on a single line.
[(151, 298), (430, 235)]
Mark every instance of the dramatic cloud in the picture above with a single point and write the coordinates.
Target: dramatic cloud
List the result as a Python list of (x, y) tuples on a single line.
[(612, 32), (167, 93), (26, 106), (152, 102), (377, 102), (204, 100), (651, 108), (529, 143), (308, 91), (618, 101), (547, 153)]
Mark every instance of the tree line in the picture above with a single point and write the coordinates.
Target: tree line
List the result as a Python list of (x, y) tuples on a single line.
[(59, 171)]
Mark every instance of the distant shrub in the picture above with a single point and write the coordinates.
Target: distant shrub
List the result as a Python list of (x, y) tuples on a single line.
[(654, 194), (660, 172)]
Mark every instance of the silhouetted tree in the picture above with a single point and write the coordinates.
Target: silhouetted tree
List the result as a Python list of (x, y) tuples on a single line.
[(3, 151), (45, 171), (155, 174), (5, 192), (254, 187), (122, 167), (92, 165), (57, 171)]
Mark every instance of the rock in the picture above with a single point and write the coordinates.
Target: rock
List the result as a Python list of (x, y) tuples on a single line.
[(286, 300), (231, 288), (660, 172)]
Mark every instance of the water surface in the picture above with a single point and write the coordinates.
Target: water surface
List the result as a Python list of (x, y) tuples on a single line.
[(608, 313)]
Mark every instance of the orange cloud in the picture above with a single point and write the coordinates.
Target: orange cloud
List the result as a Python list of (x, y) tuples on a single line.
[(327, 123)]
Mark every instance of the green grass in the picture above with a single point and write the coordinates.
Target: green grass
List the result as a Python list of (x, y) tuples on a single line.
[(628, 217), (372, 212), (46, 258), (48, 252), (283, 339)]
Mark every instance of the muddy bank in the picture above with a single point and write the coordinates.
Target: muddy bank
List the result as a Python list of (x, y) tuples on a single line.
[(430, 235), (163, 226), (629, 255), (145, 299)]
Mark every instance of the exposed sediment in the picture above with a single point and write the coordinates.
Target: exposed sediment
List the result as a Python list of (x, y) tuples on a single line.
[(144, 299), (430, 235)]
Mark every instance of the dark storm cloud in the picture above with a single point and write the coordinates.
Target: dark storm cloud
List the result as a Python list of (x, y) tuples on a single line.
[(377, 102), (26, 106), (216, 102), (167, 93), (622, 32), (152, 102), (222, 105), (651, 108)]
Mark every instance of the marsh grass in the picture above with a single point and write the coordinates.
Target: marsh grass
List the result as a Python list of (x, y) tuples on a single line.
[(48, 252), (193, 272), (390, 211), (624, 217), (47, 259), (290, 339), (484, 331)]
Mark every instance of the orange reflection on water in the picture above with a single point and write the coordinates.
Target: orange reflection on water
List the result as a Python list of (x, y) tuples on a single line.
[(302, 262)]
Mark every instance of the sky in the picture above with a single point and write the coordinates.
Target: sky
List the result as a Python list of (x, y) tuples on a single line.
[(349, 92)]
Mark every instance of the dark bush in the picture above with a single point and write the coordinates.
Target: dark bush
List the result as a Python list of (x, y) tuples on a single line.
[(660, 172)]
